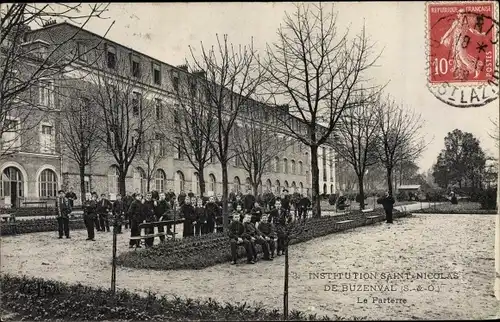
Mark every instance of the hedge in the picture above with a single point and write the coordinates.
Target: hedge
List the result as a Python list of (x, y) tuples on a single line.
[(460, 208), (38, 299), (36, 226), (211, 249)]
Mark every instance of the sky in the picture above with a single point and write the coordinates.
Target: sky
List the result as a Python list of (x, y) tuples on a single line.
[(166, 30)]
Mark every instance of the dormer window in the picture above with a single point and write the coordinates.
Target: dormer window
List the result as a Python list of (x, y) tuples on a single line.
[(111, 56), (135, 66)]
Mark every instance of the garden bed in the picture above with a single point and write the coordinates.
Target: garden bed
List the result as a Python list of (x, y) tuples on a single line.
[(39, 299), (460, 208), (36, 226), (208, 250)]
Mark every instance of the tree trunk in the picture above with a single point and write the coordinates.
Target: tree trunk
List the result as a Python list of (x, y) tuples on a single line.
[(315, 198), (361, 192), (389, 180), (148, 186), (201, 179), (121, 180), (225, 186), (82, 184), (255, 188)]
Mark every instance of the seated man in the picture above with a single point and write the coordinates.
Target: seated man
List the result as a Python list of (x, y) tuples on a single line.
[(255, 237), (236, 235), (268, 231)]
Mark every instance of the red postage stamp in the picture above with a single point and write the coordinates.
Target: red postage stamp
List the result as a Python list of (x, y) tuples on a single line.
[(461, 41), (463, 51)]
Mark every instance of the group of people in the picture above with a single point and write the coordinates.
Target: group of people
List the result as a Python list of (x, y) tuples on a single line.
[(200, 215)]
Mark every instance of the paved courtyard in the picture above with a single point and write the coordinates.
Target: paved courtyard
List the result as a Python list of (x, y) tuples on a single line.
[(432, 246)]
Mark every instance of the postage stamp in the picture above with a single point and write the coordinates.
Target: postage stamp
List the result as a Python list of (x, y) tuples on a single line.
[(463, 60)]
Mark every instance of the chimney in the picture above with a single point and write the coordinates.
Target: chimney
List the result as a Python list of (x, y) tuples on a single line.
[(183, 67), (199, 73), (285, 107)]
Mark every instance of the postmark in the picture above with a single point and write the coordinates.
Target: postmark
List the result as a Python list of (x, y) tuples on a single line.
[(462, 52)]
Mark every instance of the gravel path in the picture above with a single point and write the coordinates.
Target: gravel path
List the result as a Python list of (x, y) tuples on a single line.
[(458, 244)]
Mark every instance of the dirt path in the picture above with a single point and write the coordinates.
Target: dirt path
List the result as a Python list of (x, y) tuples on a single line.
[(461, 244)]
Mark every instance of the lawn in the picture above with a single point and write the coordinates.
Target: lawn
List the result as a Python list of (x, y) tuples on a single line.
[(460, 208)]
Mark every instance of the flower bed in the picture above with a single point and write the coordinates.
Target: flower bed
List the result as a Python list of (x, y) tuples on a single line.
[(39, 299), (36, 226), (212, 249), (460, 208)]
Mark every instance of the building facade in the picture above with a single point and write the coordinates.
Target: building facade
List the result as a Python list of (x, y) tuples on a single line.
[(38, 169)]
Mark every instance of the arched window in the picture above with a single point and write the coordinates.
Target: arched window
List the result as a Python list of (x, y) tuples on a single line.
[(285, 165), (236, 184), (113, 179), (269, 185), (331, 188), (179, 182), (294, 187), (324, 189), (12, 184), (277, 187), (160, 180), (47, 184), (259, 187), (276, 164), (301, 187), (213, 183), (301, 169), (293, 166), (286, 185)]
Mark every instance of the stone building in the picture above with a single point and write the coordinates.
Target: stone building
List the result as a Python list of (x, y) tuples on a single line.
[(37, 170)]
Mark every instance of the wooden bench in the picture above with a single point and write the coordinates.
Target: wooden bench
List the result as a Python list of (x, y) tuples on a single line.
[(367, 210), (343, 208), (8, 217), (348, 223), (370, 218), (165, 223)]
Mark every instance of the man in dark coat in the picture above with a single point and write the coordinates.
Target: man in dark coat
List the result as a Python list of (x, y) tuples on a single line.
[(268, 231), (71, 196), (285, 201), (63, 210), (103, 207), (118, 214), (89, 214), (237, 201), (237, 238), (162, 208), (212, 212), (255, 237), (181, 198), (388, 204), (127, 201), (136, 217), (189, 215), (248, 202), (303, 204), (149, 216)]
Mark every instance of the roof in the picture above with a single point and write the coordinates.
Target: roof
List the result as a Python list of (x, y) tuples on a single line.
[(410, 186)]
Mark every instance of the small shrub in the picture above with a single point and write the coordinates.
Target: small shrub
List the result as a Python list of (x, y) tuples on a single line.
[(36, 226)]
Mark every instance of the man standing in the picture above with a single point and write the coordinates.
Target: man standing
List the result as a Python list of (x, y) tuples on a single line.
[(304, 204), (127, 201), (149, 215), (63, 210), (388, 204), (162, 208), (71, 196), (103, 207), (90, 214), (248, 202), (135, 215)]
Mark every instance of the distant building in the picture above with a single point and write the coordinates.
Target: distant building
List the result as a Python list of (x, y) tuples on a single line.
[(39, 168)]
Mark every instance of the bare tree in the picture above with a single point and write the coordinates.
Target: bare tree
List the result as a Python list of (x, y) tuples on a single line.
[(32, 62), (495, 134), (399, 138), (256, 144), (315, 73), (193, 126), (80, 125), (232, 76), (150, 154), (356, 139), (126, 108)]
